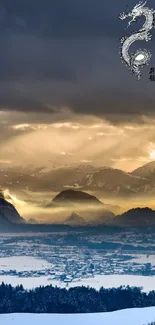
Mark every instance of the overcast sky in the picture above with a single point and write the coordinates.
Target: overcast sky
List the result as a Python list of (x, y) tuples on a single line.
[(60, 63)]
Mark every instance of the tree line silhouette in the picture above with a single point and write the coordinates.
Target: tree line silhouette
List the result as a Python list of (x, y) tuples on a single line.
[(73, 300)]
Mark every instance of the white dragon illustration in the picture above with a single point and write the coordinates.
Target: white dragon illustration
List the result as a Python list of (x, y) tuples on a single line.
[(140, 57)]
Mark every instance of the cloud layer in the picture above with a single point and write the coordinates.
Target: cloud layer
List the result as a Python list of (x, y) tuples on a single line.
[(57, 54)]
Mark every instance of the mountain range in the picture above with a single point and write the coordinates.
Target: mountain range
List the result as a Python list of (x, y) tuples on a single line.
[(73, 198), (106, 180), (138, 217), (73, 186)]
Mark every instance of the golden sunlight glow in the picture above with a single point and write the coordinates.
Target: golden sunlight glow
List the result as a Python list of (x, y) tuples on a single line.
[(13, 198), (81, 137), (152, 154)]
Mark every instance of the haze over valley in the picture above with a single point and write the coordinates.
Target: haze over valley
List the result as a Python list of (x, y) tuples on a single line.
[(31, 189)]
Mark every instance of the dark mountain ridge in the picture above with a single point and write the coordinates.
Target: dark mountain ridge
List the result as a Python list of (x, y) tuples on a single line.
[(8, 213), (75, 197), (136, 217)]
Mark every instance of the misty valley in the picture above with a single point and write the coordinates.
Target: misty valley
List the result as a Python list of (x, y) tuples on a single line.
[(88, 226)]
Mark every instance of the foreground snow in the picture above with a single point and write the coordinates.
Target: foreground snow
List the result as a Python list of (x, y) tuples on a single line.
[(135, 316)]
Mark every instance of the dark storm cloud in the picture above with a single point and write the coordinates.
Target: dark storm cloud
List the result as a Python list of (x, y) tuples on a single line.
[(62, 18), (65, 53), (34, 58)]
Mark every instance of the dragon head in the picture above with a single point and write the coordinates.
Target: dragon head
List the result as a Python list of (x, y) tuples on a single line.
[(136, 12)]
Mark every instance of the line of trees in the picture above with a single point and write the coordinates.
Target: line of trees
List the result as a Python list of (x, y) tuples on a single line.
[(73, 300)]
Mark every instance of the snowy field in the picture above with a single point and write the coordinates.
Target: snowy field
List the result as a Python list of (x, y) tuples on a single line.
[(23, 263), (143, 259), (106, 281), (29, 280), (135, 316)]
